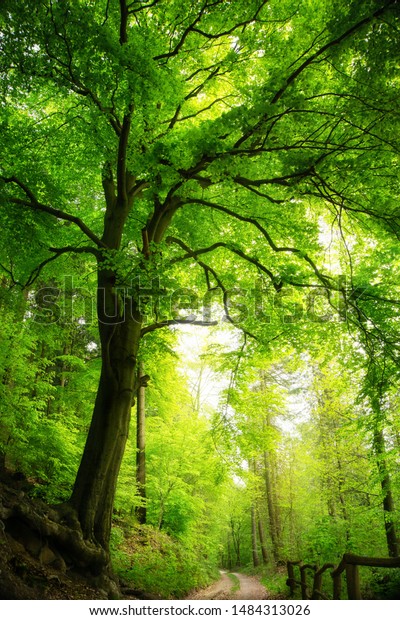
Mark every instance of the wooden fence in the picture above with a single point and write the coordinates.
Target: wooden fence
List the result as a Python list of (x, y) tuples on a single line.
[(349, 564)]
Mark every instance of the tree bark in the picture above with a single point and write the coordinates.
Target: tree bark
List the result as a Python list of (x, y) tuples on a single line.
[(388, 503), (261, 536), (273, 525), (256, 560), (119, 328), (342, 500), (235, 532), (140, 447), (229, 552), (2, 460), (119, 322), (377, 392)]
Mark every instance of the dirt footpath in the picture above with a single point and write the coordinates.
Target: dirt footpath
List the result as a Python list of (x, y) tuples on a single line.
[(225, 590)]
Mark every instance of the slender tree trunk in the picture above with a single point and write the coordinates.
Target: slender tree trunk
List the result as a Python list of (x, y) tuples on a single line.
[(2, 460), (41, 354), (273, 527), (63, 374), (256, 560), (378, 443), (238, 559), (140, 447), (292, 527), (388, 503), (261, 535), (236, 541), (342, 500), (161, 514), (229, 552)]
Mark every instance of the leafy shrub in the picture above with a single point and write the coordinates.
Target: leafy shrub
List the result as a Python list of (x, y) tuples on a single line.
[(157, 564), (381, 584)]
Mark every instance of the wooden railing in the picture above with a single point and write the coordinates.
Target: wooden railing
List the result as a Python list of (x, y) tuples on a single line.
[(349, 564)]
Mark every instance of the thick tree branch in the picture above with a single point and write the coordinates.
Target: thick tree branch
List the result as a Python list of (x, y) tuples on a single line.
[(185, 34), (287, 180), (316, 56), (108, 185), (34, 204), (69, 249), (122, 188), (235, 250), (163, 214), (132, 9), (35, 273), (251, 184), (342, 202), (326, 280), (207, 269), (58, 252), (242, 25), (289, 80), (124, 14), (208, 35), (175, 119), (67, 73), (169, 322), (10, 274)]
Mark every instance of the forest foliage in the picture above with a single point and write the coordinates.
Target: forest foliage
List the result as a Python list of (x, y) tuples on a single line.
[(229, 166)]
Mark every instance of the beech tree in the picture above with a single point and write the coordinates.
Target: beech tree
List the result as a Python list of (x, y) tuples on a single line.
[(149, 137)]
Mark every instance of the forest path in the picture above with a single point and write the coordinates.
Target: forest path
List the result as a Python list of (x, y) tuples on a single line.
[(225, 589)]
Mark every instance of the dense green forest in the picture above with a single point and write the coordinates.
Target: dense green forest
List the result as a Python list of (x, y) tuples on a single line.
[(199, 352)]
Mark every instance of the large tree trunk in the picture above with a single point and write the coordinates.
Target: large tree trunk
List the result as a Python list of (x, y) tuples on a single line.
[(119, 323), (119, 329), (95, 484)]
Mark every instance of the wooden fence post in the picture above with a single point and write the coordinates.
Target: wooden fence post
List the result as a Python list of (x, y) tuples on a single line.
[(303, 583), (349, 563), (303, 580), (290, 582), (337, 586), (353, 582), (317, 586)]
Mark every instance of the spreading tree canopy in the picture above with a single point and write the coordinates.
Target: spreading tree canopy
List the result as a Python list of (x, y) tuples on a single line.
[(192, 151)]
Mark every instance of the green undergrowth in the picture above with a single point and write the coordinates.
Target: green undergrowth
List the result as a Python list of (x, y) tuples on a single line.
[(380, 583), (157, 564), (273, 579), (236, 582)]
